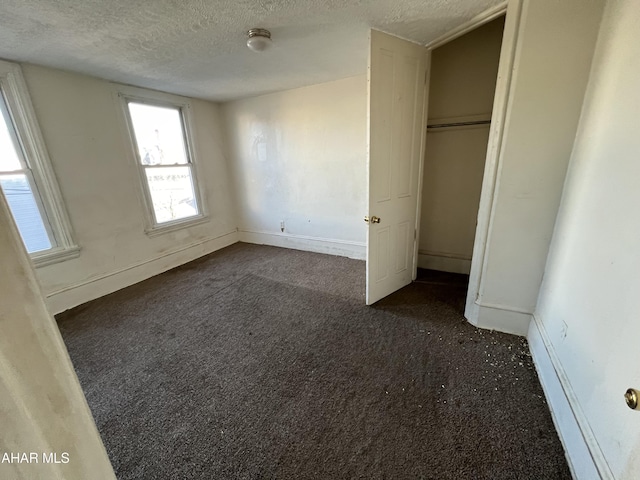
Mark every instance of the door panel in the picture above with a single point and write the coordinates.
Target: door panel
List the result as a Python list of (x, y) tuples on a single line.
[(383, 247), (403, 253), (397, 72)]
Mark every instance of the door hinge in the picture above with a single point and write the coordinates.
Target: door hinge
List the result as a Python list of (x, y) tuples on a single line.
[(415, 233)]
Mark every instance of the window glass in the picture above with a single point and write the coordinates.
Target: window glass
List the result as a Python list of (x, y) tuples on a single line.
[(159, 134), (163, 155), (172, 193), (24, 208), (16, 181), (9, 160)]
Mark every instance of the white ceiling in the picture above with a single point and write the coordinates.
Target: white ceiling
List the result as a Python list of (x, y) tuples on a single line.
[(197, 47)]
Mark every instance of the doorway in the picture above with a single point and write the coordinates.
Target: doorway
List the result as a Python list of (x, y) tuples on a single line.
[(462, 88), (394, 204)]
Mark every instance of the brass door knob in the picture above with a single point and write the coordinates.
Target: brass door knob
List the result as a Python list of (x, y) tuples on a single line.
[(631, 396), (373, 219)]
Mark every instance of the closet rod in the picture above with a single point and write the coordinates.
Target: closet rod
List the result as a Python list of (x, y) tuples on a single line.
[(459, 124)]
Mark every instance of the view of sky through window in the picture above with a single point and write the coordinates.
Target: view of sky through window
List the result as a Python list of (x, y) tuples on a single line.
[(159, 134), (160, 141)]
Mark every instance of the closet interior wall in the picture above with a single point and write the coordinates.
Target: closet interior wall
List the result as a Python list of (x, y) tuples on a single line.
[(461, 90)]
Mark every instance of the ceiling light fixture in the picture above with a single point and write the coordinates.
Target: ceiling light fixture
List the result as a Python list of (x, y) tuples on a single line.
[(259, 39)]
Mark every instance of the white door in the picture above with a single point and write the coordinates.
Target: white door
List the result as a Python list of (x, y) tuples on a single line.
[(397, 77)]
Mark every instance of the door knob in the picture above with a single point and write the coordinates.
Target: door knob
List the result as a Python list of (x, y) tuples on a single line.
[(631, 396), (373, 219)]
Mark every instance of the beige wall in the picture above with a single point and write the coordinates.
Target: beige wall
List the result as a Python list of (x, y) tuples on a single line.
[(551, 67), (83, 128), (299, 157), (461, 88), (588, 300), (42, 407)]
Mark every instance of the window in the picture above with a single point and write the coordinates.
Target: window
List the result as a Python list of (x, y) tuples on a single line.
[(26, 177), (164, 157)]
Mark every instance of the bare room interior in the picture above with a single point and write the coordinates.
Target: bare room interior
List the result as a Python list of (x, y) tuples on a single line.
[(388, 239)]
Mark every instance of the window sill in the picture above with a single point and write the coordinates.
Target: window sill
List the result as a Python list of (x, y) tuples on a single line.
[(176, 225), (55, 255)]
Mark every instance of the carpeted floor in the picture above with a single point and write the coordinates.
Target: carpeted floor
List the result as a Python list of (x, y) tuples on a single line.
[(264, 363)]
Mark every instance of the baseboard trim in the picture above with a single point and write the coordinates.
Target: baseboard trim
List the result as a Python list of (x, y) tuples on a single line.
[(502, 318), (583, 453), (342, 248), (444, 263), (95, 287)]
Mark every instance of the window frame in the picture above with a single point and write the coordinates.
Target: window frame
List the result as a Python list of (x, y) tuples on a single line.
[(183, 105), (39, 171)]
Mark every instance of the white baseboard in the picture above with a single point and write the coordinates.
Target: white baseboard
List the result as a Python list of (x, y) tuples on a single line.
[(502, 318), (342, 248), (444, 263), (584, 455), (96, 287)]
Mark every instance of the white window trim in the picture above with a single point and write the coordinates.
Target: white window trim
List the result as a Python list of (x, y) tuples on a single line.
[(21, 110), (152, 228)]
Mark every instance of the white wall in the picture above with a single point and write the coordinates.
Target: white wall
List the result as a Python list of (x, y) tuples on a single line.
[(461, 88), (588, 305), (81, 121), (42, 407), (551, 68), (299, 156)]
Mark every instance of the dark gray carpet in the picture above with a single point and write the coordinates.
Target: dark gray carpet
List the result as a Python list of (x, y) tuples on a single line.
[(262, 363)]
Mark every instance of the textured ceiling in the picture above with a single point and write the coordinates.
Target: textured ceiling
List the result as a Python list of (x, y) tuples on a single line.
[(197, 47)]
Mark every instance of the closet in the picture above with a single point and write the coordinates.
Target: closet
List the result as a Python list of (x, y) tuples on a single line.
[(461, 89)]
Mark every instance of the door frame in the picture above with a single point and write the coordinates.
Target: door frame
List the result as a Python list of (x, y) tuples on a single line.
[(499, 121)]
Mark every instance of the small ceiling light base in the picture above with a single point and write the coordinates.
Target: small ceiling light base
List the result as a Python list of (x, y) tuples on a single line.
[(259, 39)]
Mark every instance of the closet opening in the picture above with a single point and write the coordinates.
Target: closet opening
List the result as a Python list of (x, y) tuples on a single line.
[(462, 87)]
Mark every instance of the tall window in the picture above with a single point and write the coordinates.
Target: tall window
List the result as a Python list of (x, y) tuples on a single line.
[(26, 178), (19, 188), (165, 160)]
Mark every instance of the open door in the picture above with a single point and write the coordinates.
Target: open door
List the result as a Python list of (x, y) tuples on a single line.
[(397, 78)]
